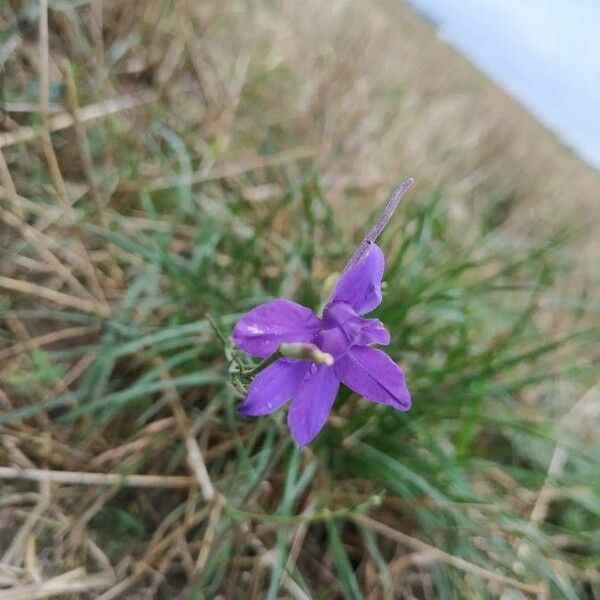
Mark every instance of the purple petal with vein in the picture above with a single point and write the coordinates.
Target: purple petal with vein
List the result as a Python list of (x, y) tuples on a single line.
[(360, 285), (274, 386), (263, 329), (365, 247), (374, 375), (310, 408), (357, 330), (373, 332)]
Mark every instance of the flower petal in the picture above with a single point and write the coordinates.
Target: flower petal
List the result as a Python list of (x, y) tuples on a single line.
[(360, 283), (273, 386), (334, 341), (373, 332), (311, 406), (374, 375), (343, 328), (260, 331)]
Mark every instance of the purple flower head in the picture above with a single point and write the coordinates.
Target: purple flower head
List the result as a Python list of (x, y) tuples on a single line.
[(341, 345)]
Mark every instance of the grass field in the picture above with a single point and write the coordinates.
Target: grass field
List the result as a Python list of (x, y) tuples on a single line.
[(165, 167)]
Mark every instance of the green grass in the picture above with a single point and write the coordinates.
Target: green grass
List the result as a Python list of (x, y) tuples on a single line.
[(459, 471), (499, 360)]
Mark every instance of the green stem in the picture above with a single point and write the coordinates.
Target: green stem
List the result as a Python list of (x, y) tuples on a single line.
[(263, 364)]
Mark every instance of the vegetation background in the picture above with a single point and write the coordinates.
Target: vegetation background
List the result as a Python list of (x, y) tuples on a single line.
[(163, 161)]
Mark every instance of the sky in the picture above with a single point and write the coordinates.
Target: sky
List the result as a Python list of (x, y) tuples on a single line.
[(545, 53)]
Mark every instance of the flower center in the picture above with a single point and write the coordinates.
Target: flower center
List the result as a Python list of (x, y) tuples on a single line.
[(342, 328)]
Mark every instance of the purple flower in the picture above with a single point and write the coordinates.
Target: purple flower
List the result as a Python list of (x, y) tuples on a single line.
[(342, 332)]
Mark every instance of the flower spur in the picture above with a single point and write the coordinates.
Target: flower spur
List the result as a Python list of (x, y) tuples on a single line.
[(339, 343)]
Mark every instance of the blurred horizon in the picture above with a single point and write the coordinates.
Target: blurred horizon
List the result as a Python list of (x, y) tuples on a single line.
[(544, 53)]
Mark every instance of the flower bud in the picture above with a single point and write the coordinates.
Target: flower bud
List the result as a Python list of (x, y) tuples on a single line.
[(306, 351)]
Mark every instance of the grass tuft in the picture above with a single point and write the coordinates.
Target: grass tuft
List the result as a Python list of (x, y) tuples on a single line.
[(204, 173)]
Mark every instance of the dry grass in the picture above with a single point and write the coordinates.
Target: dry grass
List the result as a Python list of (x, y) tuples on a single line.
[(108, 102)]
